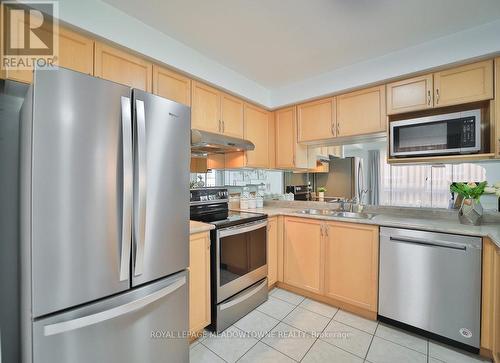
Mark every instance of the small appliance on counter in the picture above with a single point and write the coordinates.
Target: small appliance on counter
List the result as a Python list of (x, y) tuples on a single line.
[(300, 192), (238, 256)]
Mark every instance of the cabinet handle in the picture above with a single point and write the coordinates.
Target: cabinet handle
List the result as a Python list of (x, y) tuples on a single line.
[(321, 231), (338, 128), (428, 97), (332, 128), (223, 126), (437, 96), (326, 230)]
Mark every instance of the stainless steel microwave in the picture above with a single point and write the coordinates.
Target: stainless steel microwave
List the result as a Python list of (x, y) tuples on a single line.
[(452, 133)]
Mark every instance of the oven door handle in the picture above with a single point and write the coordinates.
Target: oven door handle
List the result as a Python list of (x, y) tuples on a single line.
[(243, 297), (244, 228)]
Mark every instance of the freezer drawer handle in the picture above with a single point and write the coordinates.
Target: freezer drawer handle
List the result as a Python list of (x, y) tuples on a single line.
[(140, 219), (127, 308), (243, 297), (452, 245), (127, 188)]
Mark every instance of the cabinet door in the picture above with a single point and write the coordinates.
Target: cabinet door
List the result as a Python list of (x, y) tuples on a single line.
[(231, 115), (351, 264), (272, 250), (76, 52), (470, 83), (361, 112), (171, 85), (316, 120), (410, 95), (497, 108), (289, 154), (119, 66), (199, 281), (303, 255), (257, 131), (205, 109)]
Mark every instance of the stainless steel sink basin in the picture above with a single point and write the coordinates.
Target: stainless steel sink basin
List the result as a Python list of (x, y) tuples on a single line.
[(321, 212), (353, 215), (333, 213)]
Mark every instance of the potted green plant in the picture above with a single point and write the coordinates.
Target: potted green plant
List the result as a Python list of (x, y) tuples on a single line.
[(471, 210), (321, 194)]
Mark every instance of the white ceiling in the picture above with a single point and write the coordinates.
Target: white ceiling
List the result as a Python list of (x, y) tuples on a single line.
[(280, 42)]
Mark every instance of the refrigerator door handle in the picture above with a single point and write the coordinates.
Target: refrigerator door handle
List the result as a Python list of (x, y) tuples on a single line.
[(140, 220), (127, 188), (78, 323)]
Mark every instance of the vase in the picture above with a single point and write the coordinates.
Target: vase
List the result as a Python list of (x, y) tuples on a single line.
[(470, 212), (321, 196)]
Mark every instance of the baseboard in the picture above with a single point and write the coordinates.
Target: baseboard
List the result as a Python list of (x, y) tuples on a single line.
[(368, 314)]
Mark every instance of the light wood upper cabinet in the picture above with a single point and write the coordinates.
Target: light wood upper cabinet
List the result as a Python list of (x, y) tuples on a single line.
[(410, 95), (361, 112), (171, 85), (289, 153), (119, 66), (272, 250), (351, 264), (76, 52), (303, 254), (316, 120), (272, 140), (199, 281), (205, 109), (496, 104), (469, 83), (231, 116), (257, 128)]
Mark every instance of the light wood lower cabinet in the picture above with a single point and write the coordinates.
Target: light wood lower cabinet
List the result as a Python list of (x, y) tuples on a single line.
[(412, 94), (199, 281), (465, 84), (490, 307), (171, 85), (272, 250), (361, 112), (122, 67), (336, 261), (351, 264), (303, 254)]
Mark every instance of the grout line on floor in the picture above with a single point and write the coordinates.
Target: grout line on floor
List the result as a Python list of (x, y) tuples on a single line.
[(213, 352)]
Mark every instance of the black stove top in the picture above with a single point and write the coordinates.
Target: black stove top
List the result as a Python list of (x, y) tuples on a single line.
[(210, 205), (235, 218)]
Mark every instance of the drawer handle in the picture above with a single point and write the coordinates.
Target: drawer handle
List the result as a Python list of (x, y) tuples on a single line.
[(454, 246)]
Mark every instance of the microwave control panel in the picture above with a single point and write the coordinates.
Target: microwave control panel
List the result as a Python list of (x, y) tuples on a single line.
[(468, 132)]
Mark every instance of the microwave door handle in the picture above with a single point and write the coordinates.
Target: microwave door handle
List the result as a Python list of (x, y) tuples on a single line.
[(140, 220), (126, 119)]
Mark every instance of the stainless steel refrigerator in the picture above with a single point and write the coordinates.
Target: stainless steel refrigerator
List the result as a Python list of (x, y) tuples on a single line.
[(346, 179), (104, 222)]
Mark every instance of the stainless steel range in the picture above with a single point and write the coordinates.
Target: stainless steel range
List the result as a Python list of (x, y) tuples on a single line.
[(238, 256)]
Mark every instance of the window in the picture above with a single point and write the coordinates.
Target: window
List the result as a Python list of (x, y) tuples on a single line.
[(423, 185)]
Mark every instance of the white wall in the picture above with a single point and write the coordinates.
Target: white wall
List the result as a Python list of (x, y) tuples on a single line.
[(108, 22)]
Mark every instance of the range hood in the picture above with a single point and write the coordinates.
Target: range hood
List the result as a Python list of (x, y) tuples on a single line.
[(204, 143)]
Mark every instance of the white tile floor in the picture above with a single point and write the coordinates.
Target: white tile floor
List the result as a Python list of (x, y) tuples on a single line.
[(291, 328)]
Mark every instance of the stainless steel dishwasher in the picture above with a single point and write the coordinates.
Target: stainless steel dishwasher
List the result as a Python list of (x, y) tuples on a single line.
[(432, 281)]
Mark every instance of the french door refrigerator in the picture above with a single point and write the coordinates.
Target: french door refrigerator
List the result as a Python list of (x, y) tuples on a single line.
[(104, 222)]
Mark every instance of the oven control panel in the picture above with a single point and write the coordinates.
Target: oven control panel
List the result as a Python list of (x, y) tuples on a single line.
[(206, 195)]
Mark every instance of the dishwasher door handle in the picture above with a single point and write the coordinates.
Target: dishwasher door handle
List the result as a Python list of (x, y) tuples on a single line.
[(423, 242)]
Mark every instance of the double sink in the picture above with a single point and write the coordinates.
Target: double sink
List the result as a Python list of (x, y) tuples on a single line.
[(334, 213)]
